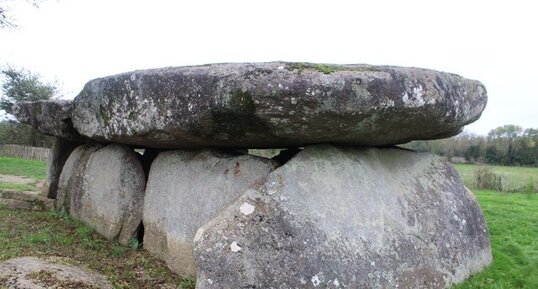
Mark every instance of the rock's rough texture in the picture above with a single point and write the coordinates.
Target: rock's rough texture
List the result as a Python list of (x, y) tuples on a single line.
[(347, 218), (112, 195), (35, 273), (185, 190), (105, 190), (71, 178), (58, 154), (50, 117), (277, 104)]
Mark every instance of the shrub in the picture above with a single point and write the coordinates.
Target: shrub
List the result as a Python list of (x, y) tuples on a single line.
[(486, 179)]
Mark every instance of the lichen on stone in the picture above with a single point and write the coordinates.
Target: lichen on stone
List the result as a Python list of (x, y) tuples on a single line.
[(323, 68)]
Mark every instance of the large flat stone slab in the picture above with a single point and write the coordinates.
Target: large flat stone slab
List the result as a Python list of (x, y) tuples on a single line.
[(277, 104), (347, 218), (185, 190), (50, 117)]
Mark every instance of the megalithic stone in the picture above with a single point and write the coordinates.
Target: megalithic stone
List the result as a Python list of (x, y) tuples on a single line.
[(347, 218), (104, 188), (276, 104), (50, 117), (185, 190)]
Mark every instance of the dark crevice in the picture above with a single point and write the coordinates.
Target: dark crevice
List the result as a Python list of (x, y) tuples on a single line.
[(234, 152), (69, 129), (285, 155), (140, 234), (147, 159)]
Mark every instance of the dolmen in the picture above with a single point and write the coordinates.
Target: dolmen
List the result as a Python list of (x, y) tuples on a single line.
[(162, 156)]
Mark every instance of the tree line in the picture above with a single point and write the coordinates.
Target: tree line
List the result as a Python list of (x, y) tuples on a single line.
[(509, 145)]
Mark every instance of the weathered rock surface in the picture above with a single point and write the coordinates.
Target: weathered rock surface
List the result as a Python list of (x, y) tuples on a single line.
[(185, 190), (35, 273), (50, 117), (277, 104), (58, 154), (18, 200), (71, 178), (113, 193), (109, 190), (347, 218)]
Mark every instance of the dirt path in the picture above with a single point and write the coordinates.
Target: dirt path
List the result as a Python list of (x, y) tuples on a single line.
[(16, 179)]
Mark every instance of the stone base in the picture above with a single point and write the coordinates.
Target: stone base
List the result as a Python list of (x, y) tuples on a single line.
[(324, 216), (185, 190), (104, 188), (347, 218)]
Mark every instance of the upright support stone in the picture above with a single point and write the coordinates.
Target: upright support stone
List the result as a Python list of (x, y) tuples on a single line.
[(58, 154), (70, 181), (347, 218), (185, 190), (113, 195), (104, 188)]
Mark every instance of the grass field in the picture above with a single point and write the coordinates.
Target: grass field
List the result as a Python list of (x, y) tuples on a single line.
[(26, 168), (514, 179), (513, 223), (31, 169)]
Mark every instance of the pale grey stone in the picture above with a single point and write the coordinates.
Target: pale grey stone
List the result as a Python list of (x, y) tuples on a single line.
[(185, 190), (347, 218), (112, 198), (276, 104), (70, 181), (104, 188)]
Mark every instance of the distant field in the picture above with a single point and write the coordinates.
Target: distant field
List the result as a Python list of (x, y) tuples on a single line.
[(514, 179), (24, 168), (32, 170)]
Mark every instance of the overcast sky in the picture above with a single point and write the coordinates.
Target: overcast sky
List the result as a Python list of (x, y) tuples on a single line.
[(73, 41)]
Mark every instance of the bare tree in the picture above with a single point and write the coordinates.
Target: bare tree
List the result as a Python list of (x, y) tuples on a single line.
[(6, 21)]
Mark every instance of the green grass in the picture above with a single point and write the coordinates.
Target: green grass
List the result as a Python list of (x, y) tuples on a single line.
[(32, 169), (513, 223), (514, 178), (43, 234), (25, 168)]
